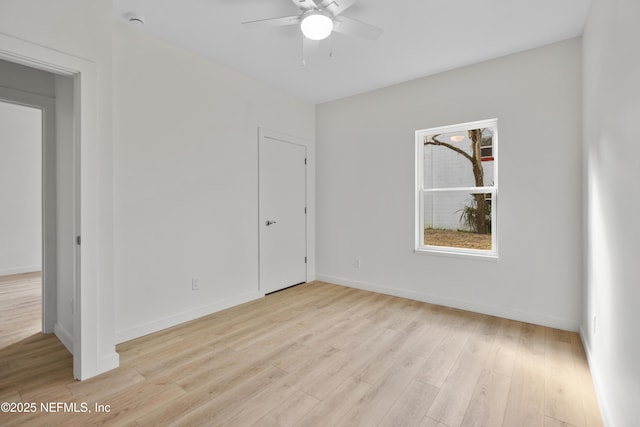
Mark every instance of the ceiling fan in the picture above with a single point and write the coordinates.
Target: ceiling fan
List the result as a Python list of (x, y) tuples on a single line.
[(318, 19)]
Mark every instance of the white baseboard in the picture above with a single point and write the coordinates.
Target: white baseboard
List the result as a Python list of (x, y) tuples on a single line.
[(64, 336), (176, 319), (107, 363), (20, 270), (104, 364), (522, 316), (597, 382)]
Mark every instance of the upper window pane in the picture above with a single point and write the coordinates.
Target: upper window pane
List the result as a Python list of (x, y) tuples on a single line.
[(458, 159)]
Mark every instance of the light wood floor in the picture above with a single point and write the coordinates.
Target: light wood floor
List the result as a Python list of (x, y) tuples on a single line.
[(319, 355), (20, 307)]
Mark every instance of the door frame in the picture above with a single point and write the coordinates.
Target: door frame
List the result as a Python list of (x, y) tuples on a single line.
[(264, 133), (90, 357)]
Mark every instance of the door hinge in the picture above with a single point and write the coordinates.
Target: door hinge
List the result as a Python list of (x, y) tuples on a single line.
[(305, 160), (305, 260), (305, 210), (78, 240)]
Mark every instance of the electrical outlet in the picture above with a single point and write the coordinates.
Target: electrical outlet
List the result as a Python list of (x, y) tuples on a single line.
[(356, 262), (195, 285)]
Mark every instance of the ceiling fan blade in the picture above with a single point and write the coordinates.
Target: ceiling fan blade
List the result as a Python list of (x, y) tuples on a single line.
[(306, 4), (337, 6), (273, 22), (353, 27)]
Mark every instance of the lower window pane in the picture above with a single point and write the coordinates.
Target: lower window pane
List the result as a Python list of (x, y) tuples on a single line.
[(458, 220)]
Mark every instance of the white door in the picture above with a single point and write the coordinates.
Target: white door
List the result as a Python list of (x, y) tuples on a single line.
[(283, 230)]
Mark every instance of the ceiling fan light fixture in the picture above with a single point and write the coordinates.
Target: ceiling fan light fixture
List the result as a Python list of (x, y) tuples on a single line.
[(316, 25)]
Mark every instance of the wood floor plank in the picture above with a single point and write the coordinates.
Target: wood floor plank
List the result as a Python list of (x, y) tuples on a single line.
[(563, 397), (329, 411), (375, 404), (386, 357), (412, 405), (20, 307), (54, 391), (502, 357), (360, 355), (169, 413), (313, 355), (552, 422), (317, 372), (590, 403), (444, 357), (525, 402), (130, 404), (457, 390), (242, 401), (438, 326), (272, 396), (430, 422), (228, 373), (102, 386), (289, 412), (325, 388), (489, 401)]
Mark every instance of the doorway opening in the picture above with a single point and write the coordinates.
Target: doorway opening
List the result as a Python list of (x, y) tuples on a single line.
[(37, 190), (20, 222)]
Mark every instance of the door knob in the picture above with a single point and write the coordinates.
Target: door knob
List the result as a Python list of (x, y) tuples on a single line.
[(269, 222)]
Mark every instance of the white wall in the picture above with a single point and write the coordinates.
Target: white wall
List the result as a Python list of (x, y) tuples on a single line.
[(365, 184), (186, 181), (612, 150), (20, 189)]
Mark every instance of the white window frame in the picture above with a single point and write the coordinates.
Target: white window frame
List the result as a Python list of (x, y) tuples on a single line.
[(420, 192)]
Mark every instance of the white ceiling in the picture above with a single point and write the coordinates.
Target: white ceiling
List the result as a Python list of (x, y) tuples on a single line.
[(421, 37)]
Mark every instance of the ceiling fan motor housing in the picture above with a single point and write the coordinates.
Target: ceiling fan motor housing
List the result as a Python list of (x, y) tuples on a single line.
[(316, 24)]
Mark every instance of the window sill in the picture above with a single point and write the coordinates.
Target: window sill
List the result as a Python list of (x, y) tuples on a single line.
[(450, 252)]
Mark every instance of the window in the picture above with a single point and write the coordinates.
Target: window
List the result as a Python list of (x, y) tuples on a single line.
[(456, 189), (486, 150)]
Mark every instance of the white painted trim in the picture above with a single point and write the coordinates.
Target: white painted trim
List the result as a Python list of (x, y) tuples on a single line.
[(186, 316), (420, 247), (109, 361), (519, 315), (597, 381), (64, 336), (21, 270), (475, 254), (460, 126)]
